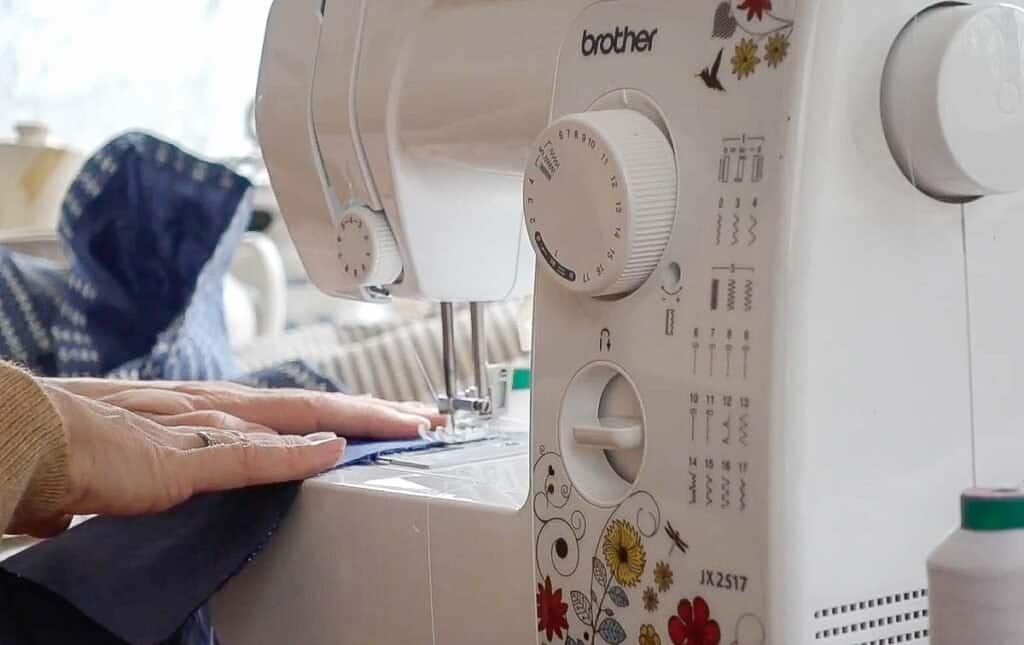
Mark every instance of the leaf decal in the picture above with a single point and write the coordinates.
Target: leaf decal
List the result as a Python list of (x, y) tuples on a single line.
[(725, 22), (618, 597), (593, 596), (600, 573), (569, 640), (609, 612), (611, 631), (581, 605)]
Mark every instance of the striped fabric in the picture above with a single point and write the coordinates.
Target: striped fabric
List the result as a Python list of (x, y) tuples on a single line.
[(381, 359)]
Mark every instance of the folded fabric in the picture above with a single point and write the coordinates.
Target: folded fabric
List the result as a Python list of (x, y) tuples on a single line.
[(361, 451), (137, 580), (146, 580), (149, 232)]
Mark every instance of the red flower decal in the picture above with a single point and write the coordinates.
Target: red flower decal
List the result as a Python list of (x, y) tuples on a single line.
[(755, 8), (551, 610), (693, 625)]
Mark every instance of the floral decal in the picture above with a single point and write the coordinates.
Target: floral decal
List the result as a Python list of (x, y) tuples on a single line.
[(624, 553), (663, 576), (551, 610), (755, 8), (776, 50), (626, 602), (754, 35), (648, 636), (745, 60), (650, 599), (692, 624)]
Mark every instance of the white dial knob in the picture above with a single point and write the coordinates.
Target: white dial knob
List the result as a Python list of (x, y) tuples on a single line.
[(367, 250), (953, 100), (600, 199)]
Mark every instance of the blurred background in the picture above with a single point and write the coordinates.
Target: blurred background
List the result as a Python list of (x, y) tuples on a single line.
[(185, 70), (73, 75)]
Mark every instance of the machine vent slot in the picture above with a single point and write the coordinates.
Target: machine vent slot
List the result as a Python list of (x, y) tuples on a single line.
[(884, 620), (908, 637)]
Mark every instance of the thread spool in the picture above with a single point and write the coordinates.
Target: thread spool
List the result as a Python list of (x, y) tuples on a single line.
[(976, 576)]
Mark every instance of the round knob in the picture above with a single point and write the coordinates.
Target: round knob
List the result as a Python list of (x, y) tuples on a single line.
[(367, 250), (600, 199), (953, 100), (602, 433)]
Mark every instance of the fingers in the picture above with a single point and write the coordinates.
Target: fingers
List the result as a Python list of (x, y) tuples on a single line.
[(41, 528), (416, 408), (236, 461), (151, 401), (304, 412), (95, 388), (367, 418), (361, 417), (210, 419), (287, 411)]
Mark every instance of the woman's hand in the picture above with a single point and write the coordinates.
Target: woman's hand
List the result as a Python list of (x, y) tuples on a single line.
[(238, 407), (140, 447), (121, 463)]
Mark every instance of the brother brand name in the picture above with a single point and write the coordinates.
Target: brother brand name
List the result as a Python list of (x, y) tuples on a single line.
[(620, 41)]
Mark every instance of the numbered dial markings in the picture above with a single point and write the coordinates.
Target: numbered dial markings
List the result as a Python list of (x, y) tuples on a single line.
[(366, 248), (600, 197)]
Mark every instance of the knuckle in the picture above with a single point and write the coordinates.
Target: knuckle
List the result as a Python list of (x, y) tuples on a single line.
[(307, 406), (248, 456), (219, 419), (189, 403)]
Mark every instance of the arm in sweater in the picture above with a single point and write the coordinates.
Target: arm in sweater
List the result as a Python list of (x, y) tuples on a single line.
[(33, 455)]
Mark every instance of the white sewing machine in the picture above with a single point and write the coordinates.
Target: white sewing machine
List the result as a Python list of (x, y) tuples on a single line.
[(775, 329)]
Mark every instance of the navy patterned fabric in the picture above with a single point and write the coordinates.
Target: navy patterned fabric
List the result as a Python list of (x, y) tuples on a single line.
[(139, 580), (149, 232)]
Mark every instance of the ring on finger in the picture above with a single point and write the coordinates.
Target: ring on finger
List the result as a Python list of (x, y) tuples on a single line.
[(220, 438)]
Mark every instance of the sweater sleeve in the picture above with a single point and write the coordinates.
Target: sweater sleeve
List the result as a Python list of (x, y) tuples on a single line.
[(34, 476)]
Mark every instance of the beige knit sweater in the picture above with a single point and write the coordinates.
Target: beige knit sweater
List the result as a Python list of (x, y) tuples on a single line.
[(33, 455)]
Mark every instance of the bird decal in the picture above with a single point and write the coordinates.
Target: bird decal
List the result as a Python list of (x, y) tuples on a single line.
[(710, 75)]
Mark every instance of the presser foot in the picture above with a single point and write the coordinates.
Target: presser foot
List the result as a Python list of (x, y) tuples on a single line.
[(462, 428)]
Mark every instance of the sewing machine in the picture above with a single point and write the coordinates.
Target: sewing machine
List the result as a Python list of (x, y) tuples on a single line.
[(774, 333)]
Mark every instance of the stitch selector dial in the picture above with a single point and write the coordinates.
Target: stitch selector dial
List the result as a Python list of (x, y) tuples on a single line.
[(600, 197), (367, 250)]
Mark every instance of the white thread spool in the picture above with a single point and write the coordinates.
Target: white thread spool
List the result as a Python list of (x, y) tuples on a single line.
[(976, 577)]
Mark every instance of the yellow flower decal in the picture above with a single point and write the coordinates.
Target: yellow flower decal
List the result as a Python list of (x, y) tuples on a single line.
[(776, 49), (663, 576), (745, 60), (624, 553), (648, 636), (650, 599)]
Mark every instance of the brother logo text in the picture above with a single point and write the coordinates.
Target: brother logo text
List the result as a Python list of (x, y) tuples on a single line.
[(620, 41)]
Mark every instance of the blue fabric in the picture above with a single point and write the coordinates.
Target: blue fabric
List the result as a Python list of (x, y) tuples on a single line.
[(360, 451), (138, 580), (149, 232), (146, 580)]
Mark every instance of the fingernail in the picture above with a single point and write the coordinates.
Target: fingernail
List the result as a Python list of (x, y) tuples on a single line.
[(321, 437), (341, 458)]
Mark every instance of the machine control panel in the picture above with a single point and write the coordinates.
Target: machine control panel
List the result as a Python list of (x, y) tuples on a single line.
[(366, 247), (651, 411), (600, 199)]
